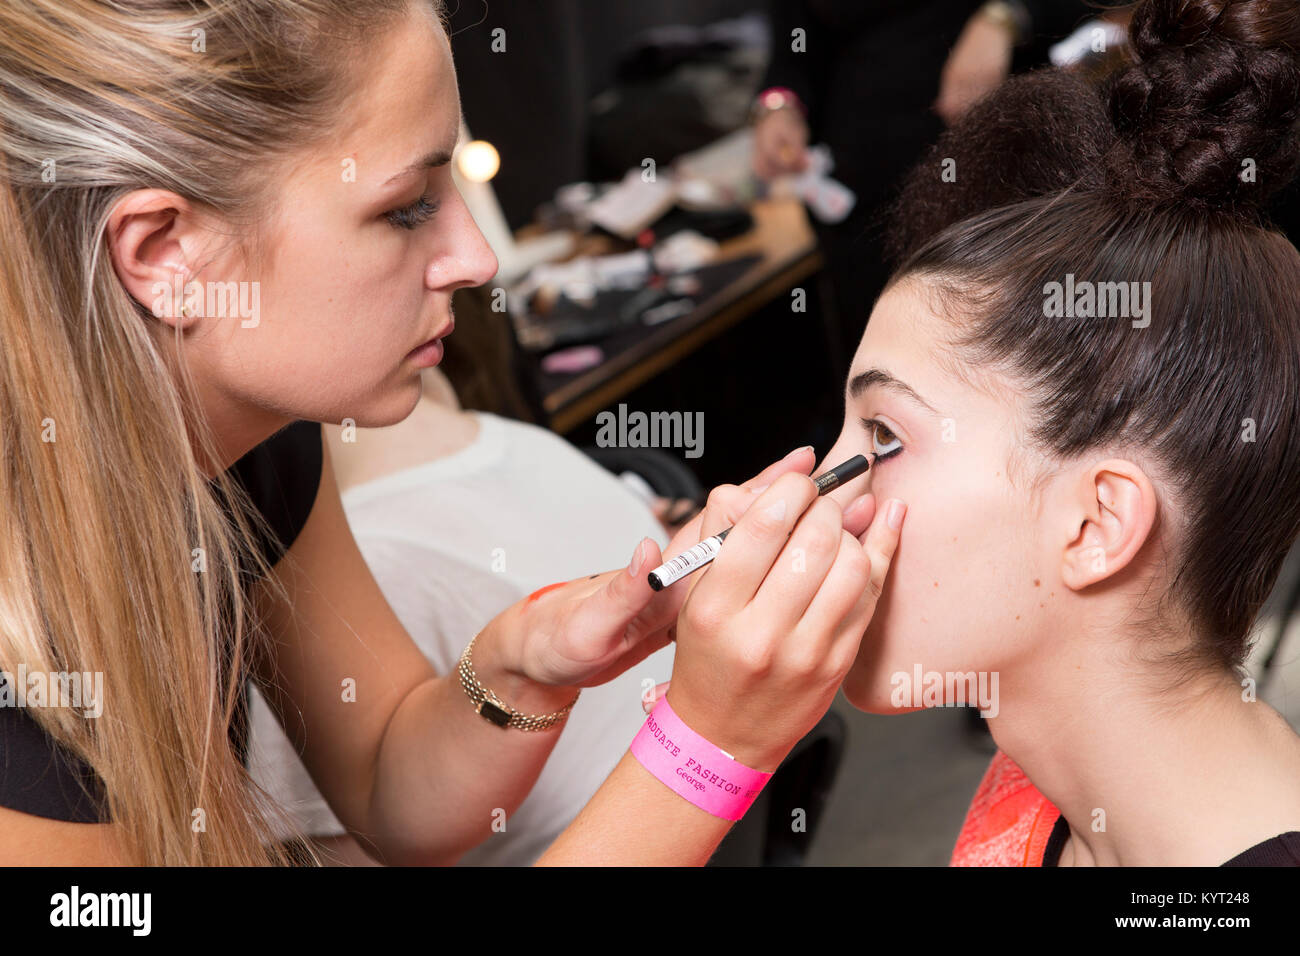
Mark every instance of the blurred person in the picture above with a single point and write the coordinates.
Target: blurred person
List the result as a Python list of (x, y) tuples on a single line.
[(864, 77), (459, 514), (985, 52), (876, 83)]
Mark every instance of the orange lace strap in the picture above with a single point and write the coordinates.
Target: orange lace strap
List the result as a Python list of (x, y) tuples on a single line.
[(1009, 822)]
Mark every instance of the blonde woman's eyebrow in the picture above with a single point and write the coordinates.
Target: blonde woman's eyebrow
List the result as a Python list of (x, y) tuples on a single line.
[(439, 157), (878, 376)]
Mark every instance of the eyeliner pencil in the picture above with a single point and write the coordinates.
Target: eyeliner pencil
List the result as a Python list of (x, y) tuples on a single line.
[(697, 557)]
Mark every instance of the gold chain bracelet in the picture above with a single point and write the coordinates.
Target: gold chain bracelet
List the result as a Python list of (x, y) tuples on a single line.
[(493, 709)]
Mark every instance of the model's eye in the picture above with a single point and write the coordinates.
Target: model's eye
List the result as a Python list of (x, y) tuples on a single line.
[(408, 217), (883, 442)]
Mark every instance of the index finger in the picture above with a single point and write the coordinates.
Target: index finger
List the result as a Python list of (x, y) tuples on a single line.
[(800, 460), (758, 538), (725, 505)]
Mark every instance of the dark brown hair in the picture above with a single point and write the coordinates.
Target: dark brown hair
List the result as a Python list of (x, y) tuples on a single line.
[(1141, 180)]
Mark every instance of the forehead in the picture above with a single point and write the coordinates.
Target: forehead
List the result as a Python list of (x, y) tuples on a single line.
[(404, 101), (902, 338), (907, 338)]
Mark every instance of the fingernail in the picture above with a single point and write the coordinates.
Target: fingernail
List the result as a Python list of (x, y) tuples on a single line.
[(637, 560), (777, 511), (796, 451), (760, 489), (896, 511)]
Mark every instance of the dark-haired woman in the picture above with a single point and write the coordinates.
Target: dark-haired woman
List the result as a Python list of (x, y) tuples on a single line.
[(1101, 494), (1102, 497)]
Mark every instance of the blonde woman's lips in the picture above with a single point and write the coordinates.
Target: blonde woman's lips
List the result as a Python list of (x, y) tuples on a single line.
[(430, 353)]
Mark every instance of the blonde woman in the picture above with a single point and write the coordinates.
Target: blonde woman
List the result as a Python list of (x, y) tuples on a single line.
[(225, 221)]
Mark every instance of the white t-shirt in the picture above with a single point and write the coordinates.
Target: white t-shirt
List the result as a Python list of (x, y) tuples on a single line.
[(454, 542)]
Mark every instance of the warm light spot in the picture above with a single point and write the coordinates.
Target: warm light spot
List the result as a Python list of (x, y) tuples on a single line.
[(478, 161)]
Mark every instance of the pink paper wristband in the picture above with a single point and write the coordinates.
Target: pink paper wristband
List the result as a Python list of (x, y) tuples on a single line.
[(693, 768)]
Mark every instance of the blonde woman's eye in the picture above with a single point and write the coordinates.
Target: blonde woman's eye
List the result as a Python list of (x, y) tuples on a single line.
[(883, 442), (416, 214)]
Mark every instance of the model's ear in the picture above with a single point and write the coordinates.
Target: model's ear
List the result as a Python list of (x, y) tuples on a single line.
[(1113, 507), (153, 237)]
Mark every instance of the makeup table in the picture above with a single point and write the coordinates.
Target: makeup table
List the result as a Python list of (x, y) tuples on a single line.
[(755, 268)]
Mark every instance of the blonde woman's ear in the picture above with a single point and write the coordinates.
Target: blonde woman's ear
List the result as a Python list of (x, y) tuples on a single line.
[(148, 233)]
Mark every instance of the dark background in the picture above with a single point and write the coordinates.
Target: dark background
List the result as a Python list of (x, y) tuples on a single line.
[(532, 101)]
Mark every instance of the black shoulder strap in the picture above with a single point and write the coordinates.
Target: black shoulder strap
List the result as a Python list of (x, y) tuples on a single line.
[(282, 476)]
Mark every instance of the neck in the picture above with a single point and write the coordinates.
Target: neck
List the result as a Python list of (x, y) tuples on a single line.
[(236, 430), (1141, 771), (237, 427)]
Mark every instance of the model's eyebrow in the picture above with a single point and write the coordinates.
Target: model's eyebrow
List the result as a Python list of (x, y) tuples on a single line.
[(439, 157), (878, 376)]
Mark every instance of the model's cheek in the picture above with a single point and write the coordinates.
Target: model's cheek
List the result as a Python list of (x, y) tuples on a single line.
[(940, 554)]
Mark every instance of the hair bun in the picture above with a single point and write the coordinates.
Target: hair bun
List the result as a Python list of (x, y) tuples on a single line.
[(1207, 113)]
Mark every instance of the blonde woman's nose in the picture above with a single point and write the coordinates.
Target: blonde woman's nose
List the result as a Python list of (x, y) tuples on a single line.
[(464, 257)]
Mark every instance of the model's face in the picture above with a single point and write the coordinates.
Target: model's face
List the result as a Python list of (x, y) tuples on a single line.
[(969, 587), (368, 241)]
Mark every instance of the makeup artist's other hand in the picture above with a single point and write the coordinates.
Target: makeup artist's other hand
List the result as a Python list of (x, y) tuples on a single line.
[(771, 627), (588, 631)]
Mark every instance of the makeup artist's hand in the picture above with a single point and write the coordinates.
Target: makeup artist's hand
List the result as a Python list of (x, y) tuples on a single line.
[(588, 631), (772, 626)]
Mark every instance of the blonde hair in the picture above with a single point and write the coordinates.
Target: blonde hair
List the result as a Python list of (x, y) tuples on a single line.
[(103, 495)]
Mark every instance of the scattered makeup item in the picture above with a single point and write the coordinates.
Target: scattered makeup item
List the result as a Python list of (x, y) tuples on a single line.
[(647, 298), (697, 557), (1082, 44), (684, 285), (829, 199), (667, 311), (684, 251), (577, 359)]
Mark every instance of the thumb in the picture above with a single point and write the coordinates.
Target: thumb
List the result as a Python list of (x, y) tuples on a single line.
[(625, 594)]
